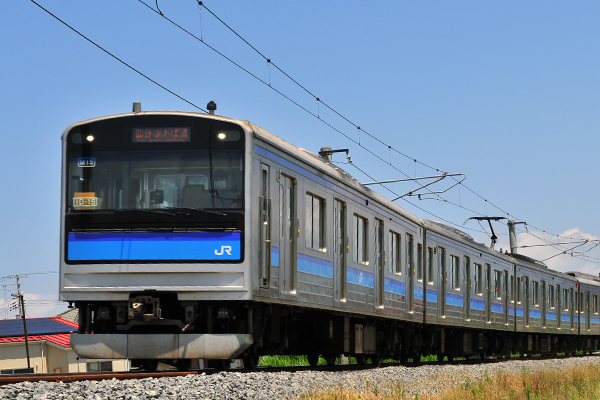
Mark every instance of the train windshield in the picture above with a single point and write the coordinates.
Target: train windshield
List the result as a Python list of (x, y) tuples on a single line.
[(155, 164)]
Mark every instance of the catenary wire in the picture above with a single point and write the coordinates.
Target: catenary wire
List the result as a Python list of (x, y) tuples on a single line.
[(287, 75), (117, 58), (391, 148)]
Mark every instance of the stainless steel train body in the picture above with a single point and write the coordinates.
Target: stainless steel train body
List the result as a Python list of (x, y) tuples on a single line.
[(188, 235)]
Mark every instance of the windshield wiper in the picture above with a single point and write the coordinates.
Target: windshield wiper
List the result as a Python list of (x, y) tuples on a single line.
[(186, 209), (147, 210)]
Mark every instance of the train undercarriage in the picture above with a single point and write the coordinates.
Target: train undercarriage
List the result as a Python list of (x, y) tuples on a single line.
[(153, 326)]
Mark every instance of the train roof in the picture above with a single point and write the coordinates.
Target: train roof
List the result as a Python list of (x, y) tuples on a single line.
[(317, 162), (341, 175)]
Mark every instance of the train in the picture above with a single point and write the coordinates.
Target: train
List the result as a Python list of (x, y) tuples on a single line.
[(195, 236)]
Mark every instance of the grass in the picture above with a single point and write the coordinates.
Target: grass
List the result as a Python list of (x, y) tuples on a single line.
[(580, 383), (300, 361)]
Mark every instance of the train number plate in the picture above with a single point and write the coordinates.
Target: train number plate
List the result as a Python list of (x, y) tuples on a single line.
[(86, 162)]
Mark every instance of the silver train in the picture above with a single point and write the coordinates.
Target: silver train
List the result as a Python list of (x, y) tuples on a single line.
[(188, 235)]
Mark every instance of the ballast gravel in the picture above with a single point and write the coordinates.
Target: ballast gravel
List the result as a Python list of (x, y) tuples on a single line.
[(427, 379)]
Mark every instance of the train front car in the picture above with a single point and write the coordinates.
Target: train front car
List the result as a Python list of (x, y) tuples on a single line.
[(153, 232)]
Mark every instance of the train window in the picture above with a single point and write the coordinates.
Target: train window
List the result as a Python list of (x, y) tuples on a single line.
[(479, 279), (455, 272), (430, 265), (420, 262), (566, 299), (536, 294), (518, 291), (315, 222), (497, 283), (551, 296), (124, 196), (595, 304), (360, 225), (395, 253)]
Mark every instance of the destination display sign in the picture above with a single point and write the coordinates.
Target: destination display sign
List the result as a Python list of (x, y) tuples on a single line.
[(161, 135)]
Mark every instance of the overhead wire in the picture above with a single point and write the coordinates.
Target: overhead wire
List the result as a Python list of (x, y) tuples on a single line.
[(117, 58), (390, 148), (318, 100), (317, 116)]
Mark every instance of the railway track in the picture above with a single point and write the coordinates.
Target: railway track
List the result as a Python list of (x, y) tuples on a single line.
[(98, 376)]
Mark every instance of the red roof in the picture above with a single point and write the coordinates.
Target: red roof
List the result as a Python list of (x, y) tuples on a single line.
[(65, 321), (61, 339)]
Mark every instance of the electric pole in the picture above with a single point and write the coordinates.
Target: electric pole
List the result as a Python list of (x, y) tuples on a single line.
[(19, 295)]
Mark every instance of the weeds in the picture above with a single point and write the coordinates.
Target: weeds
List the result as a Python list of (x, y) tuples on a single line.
[(581, 383)]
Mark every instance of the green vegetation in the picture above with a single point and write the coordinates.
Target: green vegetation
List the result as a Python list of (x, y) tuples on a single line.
[(580, 383), (300, 361)]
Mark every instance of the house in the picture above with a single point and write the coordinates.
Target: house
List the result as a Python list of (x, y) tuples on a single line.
[(49, 347)]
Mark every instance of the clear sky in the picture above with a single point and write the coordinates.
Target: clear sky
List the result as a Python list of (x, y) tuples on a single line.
[(506, 92)]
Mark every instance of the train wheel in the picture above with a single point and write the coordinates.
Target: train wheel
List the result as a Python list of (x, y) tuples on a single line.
[(251, 361), (313, 359), (183, 364), (149, 365), (361, 360), (440, 357)]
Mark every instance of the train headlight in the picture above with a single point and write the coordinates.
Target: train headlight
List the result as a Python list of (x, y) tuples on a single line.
[(222, 136), (90, 138)]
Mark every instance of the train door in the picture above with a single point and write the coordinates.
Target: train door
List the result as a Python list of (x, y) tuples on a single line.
[(264, 249), (587, 310), (378, 245), (559, 306), (339, 250), (468, 283), (506, 297), (488, 293), (443, 280), (288, 230), (543, 303), (526, 308), (410, 272), (572, 313)]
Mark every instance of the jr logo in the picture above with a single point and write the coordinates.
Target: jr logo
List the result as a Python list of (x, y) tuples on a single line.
[(224, 249)]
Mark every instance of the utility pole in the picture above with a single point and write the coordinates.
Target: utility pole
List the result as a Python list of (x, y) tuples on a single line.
[(19, 294)]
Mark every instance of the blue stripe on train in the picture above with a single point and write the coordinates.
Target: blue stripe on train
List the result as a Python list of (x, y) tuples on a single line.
[(418, 293), (550, 315), (432, 296), (595, 320), (477, 304), (454, 300), (511, 310), (315, 266), (394, 286), (275, 256), (565, 317), (131, 246), (520, 312), (359, 277), (497, 308), (535, 314)]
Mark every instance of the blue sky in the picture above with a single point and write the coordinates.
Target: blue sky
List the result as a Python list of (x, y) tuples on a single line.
[(506, 92)]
